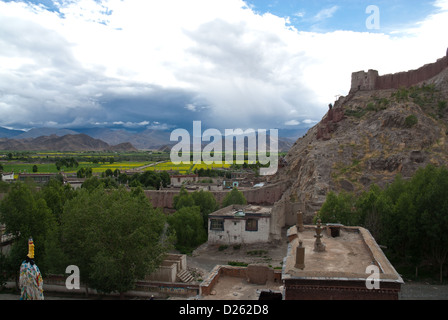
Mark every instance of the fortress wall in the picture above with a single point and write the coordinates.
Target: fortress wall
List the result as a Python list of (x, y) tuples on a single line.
[(412, 77), (267, 195)]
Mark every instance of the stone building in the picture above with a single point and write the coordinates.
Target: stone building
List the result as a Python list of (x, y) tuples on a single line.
[(238, 224), (337, 263)]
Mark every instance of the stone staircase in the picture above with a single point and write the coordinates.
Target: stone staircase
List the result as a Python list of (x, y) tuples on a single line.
[(185, 276)]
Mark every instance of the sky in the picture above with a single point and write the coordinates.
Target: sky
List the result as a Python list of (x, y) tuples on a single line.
[(230, 64)]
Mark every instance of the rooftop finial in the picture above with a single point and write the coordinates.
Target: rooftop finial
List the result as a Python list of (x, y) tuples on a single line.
[(319, 246)]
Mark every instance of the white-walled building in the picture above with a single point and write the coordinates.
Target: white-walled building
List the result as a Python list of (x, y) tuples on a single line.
[(179, 180), (8, 176), (238, 224)]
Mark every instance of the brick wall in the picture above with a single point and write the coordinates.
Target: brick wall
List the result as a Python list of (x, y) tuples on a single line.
[(413, 77), (365, 81), (338, 290)]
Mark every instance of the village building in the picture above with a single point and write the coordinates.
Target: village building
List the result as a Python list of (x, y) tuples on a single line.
[(8, 176), (239, 224), (335, 262), (40, 178), (179, 180)]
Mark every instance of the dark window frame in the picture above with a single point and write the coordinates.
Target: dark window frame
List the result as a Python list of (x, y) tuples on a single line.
[(217, 224), (250, 227)]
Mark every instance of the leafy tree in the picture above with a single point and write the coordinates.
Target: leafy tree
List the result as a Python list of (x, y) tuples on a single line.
[(35, 169), (26, 215), (109, 173), (188, 225), (339, 209), (166, 179), (183, 199), (55, 194), (430, 195), (410, 217), (207, 204), (91, 183), (84, 173), (114, 237), (234, 197)]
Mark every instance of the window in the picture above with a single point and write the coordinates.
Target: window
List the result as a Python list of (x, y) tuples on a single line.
[(217, 224), (251, 225)]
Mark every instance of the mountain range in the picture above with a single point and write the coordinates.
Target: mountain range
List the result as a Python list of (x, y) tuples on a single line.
[(149, 139), (68, 142)]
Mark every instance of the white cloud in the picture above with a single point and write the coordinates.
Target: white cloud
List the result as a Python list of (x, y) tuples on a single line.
[(326, 13), (191, 107), (248, 69), (292, 123)]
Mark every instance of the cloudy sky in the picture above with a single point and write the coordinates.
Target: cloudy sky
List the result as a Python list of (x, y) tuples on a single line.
[(229, 63)]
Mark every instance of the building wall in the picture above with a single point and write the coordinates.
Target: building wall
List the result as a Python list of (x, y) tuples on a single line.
[(364, 80), (8, 177), (266, 195), (235, 232), (413, 77), (338, 290), (370, 80), (178, 181)]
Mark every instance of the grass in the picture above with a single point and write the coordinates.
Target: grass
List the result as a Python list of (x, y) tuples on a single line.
[(184, 168), (23, 167)]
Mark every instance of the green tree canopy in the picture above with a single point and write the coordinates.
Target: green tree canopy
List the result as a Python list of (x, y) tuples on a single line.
[(25, 215), (183, 199), (188, 225), (114, 237), (410, 217), (234, 197)]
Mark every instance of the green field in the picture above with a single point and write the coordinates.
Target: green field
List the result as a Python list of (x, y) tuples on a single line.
[(22, 167), (23, 162), (184, 168)]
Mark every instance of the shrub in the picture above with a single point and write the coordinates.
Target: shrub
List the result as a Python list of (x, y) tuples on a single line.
[(411, 121)]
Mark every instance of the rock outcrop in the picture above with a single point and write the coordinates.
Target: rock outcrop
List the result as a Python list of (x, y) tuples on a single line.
[(367, 137)]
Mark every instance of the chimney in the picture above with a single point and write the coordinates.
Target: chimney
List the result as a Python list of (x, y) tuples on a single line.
[(300, 227), (300, 256)]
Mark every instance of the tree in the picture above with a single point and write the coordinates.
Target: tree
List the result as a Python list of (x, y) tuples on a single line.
[(430, 196), (410, 217), (207, 204), (339, 208), (35, 169), (26, 215), (183, 199), (188, 225), (56, 194), (109, 173), (84, 173), (114, 237), (123, 178), (234, 197)]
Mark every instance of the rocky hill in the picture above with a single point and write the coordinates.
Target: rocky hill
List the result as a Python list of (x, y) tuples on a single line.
[(367, 137), (78, 142)]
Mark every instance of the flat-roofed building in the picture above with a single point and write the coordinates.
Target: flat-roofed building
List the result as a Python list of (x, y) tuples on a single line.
[(347, 263), (37, 177), (239, 224)]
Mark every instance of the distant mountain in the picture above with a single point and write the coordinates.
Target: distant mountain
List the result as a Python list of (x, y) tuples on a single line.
[(78, 142), (144, 140), (149, 139), (39, 132), (111, 136), (9, 133)]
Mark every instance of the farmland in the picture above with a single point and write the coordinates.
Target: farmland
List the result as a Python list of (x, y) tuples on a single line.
[(71, 162)]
